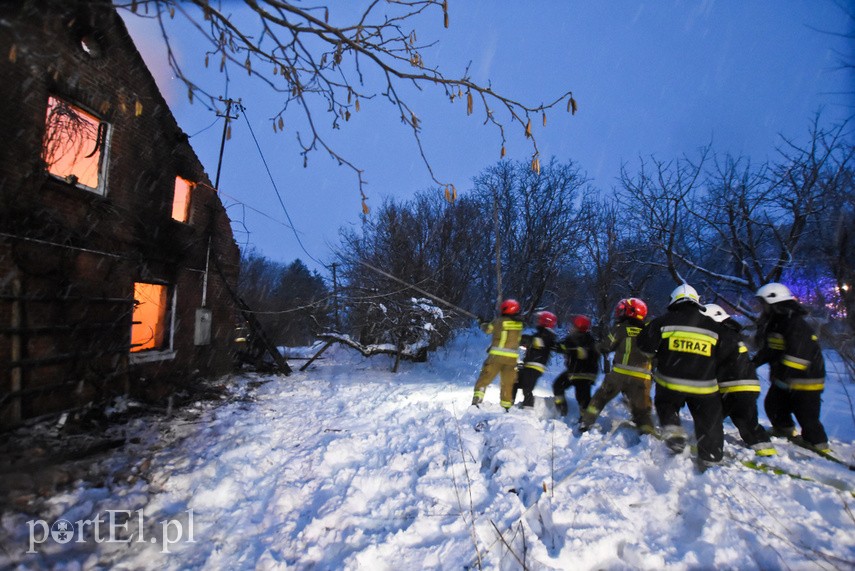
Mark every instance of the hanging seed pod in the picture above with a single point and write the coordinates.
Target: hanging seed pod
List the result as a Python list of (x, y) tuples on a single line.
[(347, 115), (326, 15), (229, 133), (356, 105), (544, 119), (206, 60), (469, 103), (528, 129), (190, 94), (13, 53), (445, 19), (105, 107), (573, 106), (223, 62), (503, 153), (248, 66), (274, 127), (535, 164), (365, 209), (281, 123), (138, 109), (171, 12), (415, 120)]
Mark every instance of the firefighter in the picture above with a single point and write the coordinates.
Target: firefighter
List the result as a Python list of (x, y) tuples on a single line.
[(689, 347), (630, 372), (538, 348), (796, 366), (583, 365), (502, 354), (739, 388)]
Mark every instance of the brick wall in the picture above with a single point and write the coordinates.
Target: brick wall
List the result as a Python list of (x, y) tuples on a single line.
[(75, 255)]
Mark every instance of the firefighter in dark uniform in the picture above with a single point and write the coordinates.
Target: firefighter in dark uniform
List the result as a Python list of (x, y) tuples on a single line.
[(689, 347), (796, 366), (506, 331), (539, 347), (630, 373), (582, 361), (739, 388)]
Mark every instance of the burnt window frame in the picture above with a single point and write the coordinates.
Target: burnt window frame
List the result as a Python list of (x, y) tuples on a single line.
[(167, 349), (103, 139)]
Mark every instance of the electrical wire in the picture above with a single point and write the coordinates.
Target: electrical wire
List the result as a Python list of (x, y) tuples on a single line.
[(276, 189)]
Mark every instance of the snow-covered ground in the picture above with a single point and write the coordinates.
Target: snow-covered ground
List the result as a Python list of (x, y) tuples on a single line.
[(349, 466)]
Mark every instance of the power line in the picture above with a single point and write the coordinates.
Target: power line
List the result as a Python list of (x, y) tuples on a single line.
[(276, 189)]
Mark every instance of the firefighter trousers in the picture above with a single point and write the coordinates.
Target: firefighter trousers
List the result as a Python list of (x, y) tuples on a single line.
[(506, 369), (741, 407), (582, 388), (782, 404), (636, 391), (526, 380), (706, 413)]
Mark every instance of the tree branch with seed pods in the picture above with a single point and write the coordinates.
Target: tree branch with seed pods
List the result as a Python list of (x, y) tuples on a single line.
[(296, 52)]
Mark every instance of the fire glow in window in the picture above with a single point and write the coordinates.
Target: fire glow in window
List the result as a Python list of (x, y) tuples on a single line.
[(181, 199), (151, 317), (74, 145)]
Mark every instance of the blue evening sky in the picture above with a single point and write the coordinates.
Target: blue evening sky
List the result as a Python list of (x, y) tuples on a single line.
[(660, 78)]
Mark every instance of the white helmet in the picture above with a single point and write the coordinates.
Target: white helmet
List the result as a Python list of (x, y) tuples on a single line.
[(684, 292), (717, 312), (774, 292)]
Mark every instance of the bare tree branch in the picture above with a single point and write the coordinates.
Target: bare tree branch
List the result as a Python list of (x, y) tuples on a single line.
[(296, 52)]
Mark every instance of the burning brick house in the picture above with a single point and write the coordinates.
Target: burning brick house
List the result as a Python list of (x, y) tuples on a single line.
[(116, 255)]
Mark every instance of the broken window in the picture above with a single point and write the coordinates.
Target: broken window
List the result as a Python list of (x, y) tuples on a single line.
[(181, 199), (75, 145), (152, 321)]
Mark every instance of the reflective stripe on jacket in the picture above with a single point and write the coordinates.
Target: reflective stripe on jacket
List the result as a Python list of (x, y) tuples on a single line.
[(790, 347), (623, 341), (506, 332), (689, 348)]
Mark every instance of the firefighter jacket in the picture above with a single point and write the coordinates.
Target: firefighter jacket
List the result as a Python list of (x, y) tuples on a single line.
[(787, 342), (689, 347), (627, 360), (581, 356), (540, 345), (738, 373), (506, 332)]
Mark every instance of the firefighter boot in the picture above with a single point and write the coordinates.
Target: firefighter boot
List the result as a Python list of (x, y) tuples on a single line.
[(588, 418), (674, 437)]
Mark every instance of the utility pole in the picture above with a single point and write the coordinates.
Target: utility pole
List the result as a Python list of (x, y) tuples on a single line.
[(335, 296), (228, 116)]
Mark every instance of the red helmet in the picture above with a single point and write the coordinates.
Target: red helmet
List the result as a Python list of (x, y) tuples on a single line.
[(510, 307), (582, 323), (631, 307), (546, 319)]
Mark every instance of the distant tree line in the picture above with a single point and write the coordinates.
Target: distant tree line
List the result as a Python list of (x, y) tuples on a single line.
[(290, 301), (720, 223)]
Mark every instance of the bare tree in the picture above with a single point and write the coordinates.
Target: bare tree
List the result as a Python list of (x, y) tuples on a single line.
[(312, 54), (611, 248), (659, 200), (735, 227), (542, 216)]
